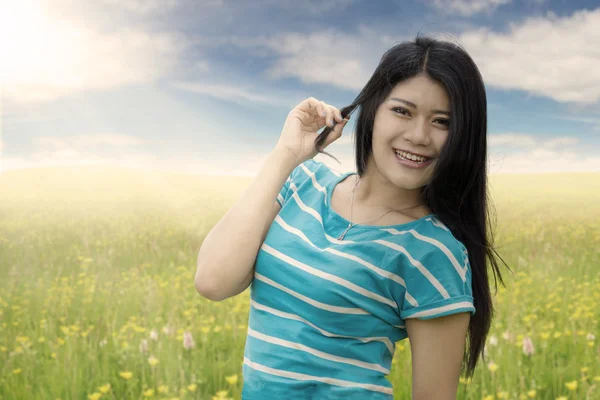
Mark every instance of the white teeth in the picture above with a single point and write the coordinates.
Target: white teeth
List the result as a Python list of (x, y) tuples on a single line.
[(410, 156)]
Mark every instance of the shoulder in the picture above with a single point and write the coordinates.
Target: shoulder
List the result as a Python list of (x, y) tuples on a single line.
[(429, 244), (317, 171), (428, 233)]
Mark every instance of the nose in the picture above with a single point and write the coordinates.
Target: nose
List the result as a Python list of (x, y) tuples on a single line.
[(419, 132)]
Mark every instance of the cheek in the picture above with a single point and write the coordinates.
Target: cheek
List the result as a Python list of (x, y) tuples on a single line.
[(441, 140), (384, 129)]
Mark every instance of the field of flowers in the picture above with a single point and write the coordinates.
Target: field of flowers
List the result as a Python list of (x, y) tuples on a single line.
[(97, 299)]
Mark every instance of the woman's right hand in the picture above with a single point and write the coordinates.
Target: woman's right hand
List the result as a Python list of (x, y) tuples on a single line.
[(301, 127)]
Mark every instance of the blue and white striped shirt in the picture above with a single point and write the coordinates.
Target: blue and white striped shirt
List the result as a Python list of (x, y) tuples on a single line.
[(325, 314)]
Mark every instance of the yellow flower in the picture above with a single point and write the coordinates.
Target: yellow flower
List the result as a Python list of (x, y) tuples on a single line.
[(502, 395), (492, 366), (221, 395), (125, 374), (17, 371), (104, 389), (232, 380), (22, 339), (571, 385), (562, 398), (192, 387), (163, 389), (94, 396), (152, 361), (489, 397), (149, 393), (531, 393), (584, 369), (597, 379)]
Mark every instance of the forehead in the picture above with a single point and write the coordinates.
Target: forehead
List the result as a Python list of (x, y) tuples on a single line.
[(421, 90)]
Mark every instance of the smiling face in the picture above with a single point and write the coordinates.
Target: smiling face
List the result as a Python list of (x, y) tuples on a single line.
[(414, 117)]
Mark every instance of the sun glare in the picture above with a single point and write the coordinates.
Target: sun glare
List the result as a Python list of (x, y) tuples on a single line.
[(36, 49)]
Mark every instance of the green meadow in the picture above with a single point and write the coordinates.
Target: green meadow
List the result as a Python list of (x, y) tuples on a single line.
[(97, 297)]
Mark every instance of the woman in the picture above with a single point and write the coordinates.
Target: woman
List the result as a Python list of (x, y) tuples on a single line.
[(343, 266)]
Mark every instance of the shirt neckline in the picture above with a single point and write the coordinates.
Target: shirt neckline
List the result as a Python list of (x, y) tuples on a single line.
[(344, 222)]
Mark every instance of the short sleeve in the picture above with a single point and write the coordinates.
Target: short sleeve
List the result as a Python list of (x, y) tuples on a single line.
[(297, 175), (438, 283)]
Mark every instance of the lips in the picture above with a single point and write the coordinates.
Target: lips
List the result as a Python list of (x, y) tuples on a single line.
[(415, 154), (412, 164)]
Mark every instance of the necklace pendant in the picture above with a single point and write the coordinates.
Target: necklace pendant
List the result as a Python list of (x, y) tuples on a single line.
[(344, 233)]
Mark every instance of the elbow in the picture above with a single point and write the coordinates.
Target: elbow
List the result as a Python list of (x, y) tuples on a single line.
[(206, 289)]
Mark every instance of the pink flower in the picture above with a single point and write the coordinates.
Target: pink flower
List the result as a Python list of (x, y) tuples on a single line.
[(144, 346), (527, 346), (493, 340), (188, 341)]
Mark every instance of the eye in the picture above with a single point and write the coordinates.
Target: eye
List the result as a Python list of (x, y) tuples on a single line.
[(444, 121), (402, 110)]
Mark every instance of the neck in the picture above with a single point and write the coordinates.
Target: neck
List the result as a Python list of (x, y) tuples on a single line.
[(373, 192)]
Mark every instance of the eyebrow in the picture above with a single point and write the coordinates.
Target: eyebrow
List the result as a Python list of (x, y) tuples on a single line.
[(413, 105)]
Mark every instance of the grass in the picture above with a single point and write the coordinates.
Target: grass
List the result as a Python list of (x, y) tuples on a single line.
[(97, 299)]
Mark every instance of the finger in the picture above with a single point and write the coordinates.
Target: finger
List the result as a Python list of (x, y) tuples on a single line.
[(311, 110), (328, 114), (337, 113), (314, 107), (336, 132)]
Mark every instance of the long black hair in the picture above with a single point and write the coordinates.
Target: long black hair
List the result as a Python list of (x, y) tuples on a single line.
[(457, 192)]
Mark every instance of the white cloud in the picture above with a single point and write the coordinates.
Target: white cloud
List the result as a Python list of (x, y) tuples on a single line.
[(202, 65), (467, 7), (548, 56), (526, 153), (76, 143), (143, 6), (311, 7), (51, 152), (54, 57), (241, 95), (328, 57), (511, 139), (542, 161), (520, 140)]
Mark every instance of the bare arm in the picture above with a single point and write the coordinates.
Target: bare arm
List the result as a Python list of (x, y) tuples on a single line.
[(228, 254), (225, 265), (437, 347)]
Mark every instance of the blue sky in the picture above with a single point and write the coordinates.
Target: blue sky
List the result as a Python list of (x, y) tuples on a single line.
[(205, 86)]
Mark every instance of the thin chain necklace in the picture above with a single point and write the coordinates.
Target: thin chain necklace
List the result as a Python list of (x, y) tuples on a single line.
[(341, 237)]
